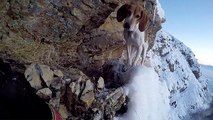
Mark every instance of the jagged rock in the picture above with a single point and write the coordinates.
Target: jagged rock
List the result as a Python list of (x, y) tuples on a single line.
[(100, 84), (108, 102), (36, 74), (80, 90), (75, 88), (80, 86), (58, 73), (44, 93), (81, 99), (46, 74), (87, 95), (57, 84), (115, 100), (33, 76), (41, 76), (77, 75)]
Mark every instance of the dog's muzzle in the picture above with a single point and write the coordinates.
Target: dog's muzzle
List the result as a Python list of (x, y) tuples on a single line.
[(126, 25)]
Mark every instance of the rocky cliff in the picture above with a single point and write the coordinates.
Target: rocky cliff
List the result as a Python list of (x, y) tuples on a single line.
[(65, 34), (78, 36)]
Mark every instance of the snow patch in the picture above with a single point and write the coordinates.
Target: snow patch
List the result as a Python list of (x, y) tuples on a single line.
[(149, 98), (160, 10)]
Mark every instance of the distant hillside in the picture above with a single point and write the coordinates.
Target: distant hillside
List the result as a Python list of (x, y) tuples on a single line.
[(207, 71)]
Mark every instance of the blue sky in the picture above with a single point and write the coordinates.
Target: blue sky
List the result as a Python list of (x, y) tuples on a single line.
[(191, 21)]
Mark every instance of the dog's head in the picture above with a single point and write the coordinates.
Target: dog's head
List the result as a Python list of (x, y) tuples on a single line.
[(135, 17)]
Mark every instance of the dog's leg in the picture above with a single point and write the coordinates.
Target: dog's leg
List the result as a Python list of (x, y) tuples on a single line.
[(133, 54), (128, 47), (145, 47), (138, 54)]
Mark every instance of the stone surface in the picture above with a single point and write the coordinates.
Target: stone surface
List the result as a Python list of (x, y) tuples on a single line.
[(82, 34), (33, 77), (51, 87), (46, 74), (87, 95), (80, 86), (100, 84), (58, 73), (44, 93), (39, 75), (109, 101)]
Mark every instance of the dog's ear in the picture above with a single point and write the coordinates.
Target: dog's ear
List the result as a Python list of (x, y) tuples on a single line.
[(122, 12), (143, 21)]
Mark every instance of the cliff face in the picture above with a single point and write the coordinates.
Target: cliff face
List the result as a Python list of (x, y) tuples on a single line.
[(176, 65), (65, 34)]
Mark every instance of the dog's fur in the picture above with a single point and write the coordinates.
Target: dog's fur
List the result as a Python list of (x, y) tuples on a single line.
[(135, 23)]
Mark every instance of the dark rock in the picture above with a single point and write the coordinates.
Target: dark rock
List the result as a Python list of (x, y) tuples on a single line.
[(112, 72)]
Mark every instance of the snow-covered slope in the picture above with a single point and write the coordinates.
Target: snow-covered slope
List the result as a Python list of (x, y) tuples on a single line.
[(173, 88), (149, 97), (176, 64)]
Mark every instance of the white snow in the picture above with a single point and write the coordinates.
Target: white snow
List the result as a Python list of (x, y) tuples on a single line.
[(149, 97), (187, 93), (160, 10)]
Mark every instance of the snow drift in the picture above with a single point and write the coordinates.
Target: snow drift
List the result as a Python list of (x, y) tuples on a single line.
[(149, 98)]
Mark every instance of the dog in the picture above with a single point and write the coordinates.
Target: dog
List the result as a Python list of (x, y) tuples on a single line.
[(135, 23)]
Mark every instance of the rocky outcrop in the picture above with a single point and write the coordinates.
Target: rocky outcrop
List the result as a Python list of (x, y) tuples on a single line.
[(76, 96), (49, 84), (65, 34)]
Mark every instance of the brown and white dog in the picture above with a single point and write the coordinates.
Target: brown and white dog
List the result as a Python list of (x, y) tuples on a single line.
[(135, 23)]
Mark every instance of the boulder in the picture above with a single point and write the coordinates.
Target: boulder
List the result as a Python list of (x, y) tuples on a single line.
[(32, 75), (44, 93), (58, 73), (87, 95), (80, 86), (46, 74), (100, 84)]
